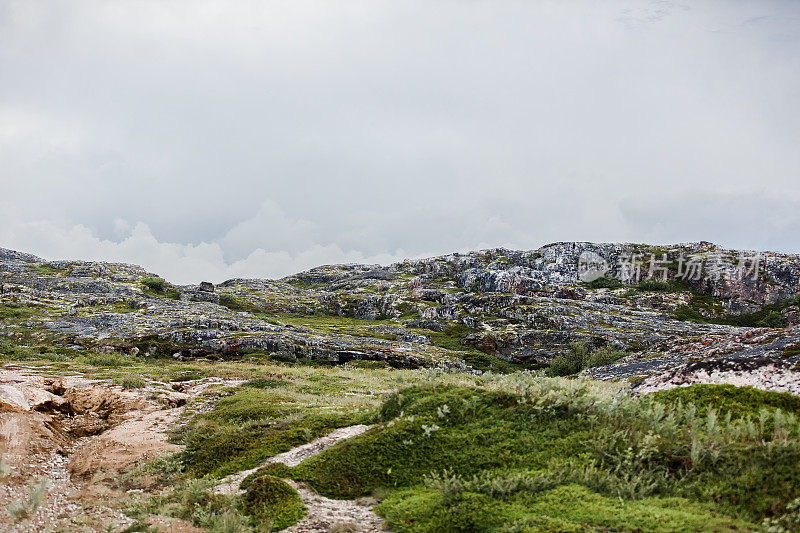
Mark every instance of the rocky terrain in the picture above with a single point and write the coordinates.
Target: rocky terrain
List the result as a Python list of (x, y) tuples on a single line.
[(110, 369), (481, 310)]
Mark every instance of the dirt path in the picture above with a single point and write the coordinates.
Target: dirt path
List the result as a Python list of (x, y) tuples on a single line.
[(323, 513)]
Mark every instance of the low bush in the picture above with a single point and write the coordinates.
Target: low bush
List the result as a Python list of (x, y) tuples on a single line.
[(579, 357), (273, 504)]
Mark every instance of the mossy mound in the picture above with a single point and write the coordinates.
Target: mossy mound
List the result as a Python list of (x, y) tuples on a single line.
[(738, 401), (272, 503), (561, 509), (458, 428)]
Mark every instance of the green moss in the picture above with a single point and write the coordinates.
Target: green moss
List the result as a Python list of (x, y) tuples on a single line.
[(272, 503), (561, 509), (738, 401), (421, 511)]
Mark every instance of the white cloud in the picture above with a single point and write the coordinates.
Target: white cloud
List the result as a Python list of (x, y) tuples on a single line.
[(262, 136), (180, 263)]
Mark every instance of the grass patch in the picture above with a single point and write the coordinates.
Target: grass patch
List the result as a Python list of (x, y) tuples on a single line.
[(238, 304), (17, 310), (47, 270), (130, 381), (254, 424)]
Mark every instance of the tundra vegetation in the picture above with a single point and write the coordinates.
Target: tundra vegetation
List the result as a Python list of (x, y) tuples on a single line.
[(453, 451), (472, 372)]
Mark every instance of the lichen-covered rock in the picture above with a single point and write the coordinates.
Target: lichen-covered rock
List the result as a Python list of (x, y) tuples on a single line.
[(517, 306)]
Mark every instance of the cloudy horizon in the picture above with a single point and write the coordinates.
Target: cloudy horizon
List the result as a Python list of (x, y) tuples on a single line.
[(210, 140)]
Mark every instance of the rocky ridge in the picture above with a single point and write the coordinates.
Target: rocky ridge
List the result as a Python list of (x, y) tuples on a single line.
[(479, 310)]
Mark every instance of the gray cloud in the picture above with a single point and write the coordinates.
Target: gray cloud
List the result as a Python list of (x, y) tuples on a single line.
[(209, 139)]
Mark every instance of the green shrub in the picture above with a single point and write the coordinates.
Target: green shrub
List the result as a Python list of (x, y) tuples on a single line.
[(158, 287), (602, 357), (578, 357), (569, 363), (271, 502), (603, 283), (688, 313), (154, 284)]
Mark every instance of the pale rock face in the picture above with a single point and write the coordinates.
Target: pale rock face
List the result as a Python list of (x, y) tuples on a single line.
[(20, 397), (12, 399)]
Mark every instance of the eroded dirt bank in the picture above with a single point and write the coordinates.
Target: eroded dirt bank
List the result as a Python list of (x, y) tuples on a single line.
[(67, 441)]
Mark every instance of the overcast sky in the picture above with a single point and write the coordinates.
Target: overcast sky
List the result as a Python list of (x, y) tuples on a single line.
[(209, 140)]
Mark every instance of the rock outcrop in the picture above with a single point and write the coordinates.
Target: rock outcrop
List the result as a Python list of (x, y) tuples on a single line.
[(458, 310)]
